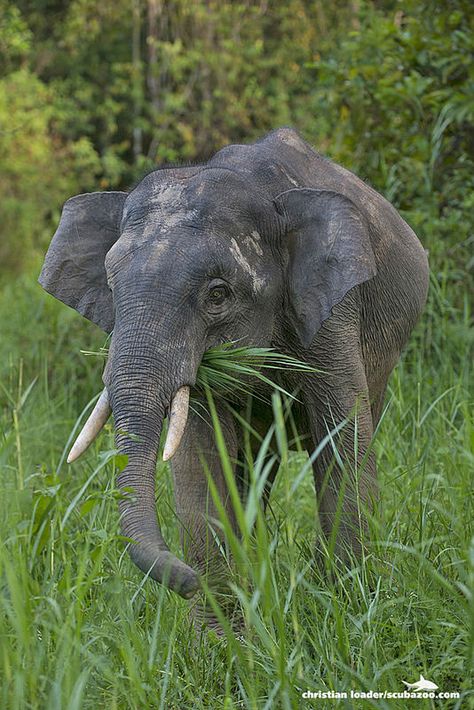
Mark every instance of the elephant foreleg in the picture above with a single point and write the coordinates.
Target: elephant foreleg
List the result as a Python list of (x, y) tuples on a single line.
[(344, 471), (203, 541)]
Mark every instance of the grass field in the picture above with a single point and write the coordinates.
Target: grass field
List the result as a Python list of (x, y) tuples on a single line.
[(80, 628)]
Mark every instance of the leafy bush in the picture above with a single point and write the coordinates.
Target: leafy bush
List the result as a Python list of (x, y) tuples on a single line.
[(394, 101)]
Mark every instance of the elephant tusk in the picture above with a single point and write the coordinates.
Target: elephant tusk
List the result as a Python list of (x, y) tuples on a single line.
[(92, 427), (176, 422)]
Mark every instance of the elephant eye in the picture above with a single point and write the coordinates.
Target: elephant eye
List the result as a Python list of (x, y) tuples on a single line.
[(217, 294)]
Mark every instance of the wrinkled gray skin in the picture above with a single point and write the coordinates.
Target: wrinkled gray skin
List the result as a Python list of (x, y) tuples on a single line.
[(269, 244)]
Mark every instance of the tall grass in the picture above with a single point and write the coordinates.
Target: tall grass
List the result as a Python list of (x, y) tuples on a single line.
[(79, 626)]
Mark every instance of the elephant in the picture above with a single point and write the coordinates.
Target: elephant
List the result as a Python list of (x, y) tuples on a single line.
[(267, 244)]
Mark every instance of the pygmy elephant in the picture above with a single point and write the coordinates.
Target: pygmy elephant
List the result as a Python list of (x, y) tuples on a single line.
[(267, 244)]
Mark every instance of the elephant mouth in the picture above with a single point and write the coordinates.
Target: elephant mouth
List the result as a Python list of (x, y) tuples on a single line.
[(177, 414)]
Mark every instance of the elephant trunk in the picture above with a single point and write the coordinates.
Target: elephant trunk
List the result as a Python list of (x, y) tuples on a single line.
[(141, 389)]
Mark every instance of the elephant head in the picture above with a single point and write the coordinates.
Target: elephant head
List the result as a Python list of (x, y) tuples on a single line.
[(192, 257)]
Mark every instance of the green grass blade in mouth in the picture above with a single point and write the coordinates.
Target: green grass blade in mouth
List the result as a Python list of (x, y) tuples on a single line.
[(222, 368)]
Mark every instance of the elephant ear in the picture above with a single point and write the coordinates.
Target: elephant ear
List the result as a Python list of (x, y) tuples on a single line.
[(74, 270), (330, 253)]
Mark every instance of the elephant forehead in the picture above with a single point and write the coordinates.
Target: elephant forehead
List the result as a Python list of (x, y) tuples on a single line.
[(158, 204), (208, 195)]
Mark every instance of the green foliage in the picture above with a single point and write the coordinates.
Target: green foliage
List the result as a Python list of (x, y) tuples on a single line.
[(15, 36), (30, 184), (398, 98), (228, 370)]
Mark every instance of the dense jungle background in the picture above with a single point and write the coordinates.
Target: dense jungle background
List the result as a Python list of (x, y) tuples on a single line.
[(94, 94)]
